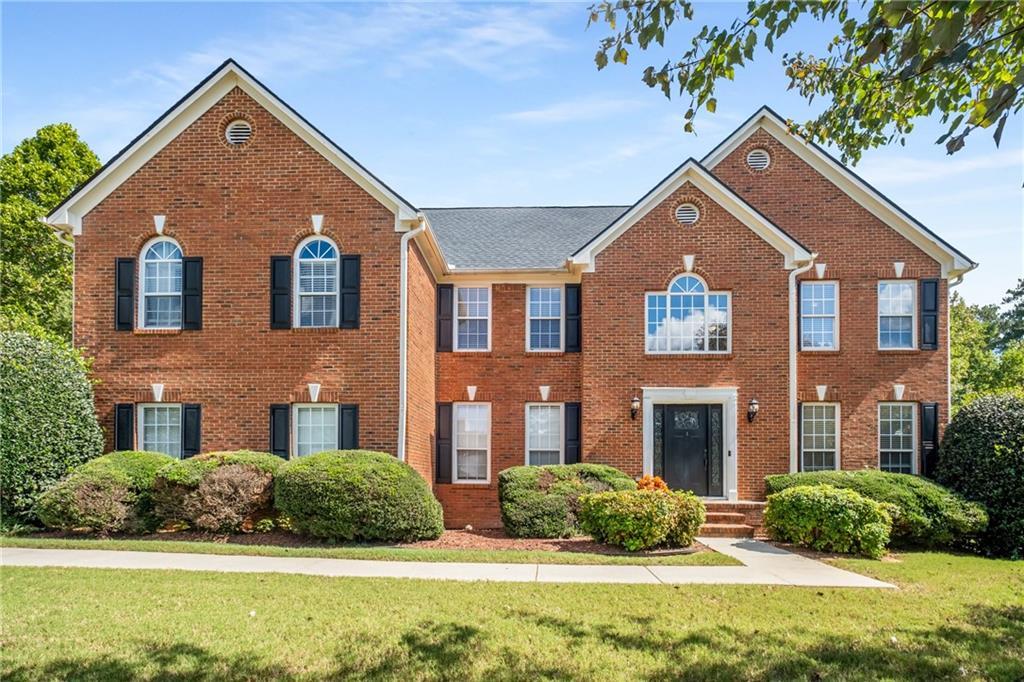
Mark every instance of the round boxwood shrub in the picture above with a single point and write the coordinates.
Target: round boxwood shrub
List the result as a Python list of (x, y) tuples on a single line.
[(47, 420), (108, 494), (543, 501), (357, 495), (217, 491), (982, 458), (633, 519), (925, 513), (828, 519)]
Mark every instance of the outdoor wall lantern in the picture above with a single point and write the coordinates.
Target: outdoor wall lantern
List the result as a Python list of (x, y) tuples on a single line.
[(752, 408), (634, 407)]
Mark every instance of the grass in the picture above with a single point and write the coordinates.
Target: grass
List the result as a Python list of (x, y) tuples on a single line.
[(379, 552), (953, 617)]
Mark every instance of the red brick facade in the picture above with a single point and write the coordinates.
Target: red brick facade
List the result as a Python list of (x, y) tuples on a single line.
[(238, 207)]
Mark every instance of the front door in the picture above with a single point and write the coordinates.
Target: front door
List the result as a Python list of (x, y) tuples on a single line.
[(691, 446)]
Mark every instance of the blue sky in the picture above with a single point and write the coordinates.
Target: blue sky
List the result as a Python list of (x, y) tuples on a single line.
[(473, 104)]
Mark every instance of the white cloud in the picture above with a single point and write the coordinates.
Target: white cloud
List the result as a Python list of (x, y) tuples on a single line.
[(580, 109), (887, 170)]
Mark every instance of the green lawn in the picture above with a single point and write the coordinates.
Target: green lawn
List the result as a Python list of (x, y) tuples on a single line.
[(379, 552), (953, 617)]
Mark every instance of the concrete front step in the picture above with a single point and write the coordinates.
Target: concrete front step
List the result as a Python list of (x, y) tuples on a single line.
[(726, 530)]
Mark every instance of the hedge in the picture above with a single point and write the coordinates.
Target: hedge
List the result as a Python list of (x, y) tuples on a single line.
[(47, 419), (543, 501), (642, 519), (108, 494), (357, 495), (982, 458), (926, 514), (828, 519)]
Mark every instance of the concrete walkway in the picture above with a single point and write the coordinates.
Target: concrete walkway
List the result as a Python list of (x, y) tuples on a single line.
[(763, 564)]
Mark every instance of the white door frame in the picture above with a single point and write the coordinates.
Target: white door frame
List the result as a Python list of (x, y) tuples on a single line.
[(725, 396)]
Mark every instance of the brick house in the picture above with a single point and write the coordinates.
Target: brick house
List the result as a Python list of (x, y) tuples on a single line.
[(241, 282)]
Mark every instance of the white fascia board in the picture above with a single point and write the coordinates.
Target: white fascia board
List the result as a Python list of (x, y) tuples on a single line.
[(953, 263)]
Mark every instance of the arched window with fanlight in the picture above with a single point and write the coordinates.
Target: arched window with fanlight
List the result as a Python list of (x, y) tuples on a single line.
[(687, 318), (316, 283), (160, 284)]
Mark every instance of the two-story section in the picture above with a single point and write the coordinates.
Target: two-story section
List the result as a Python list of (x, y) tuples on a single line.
[(242, 282)]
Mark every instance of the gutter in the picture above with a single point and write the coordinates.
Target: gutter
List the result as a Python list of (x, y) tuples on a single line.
[(403, 332), (793, 341)]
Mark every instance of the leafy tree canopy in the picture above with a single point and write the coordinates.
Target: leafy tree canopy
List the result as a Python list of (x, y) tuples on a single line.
[(35, 266), (1011, 320), (984, 359), (890, 63)]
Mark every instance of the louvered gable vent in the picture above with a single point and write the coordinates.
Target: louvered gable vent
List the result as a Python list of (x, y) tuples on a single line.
[(758, 159), (687, 214), (238, 132)]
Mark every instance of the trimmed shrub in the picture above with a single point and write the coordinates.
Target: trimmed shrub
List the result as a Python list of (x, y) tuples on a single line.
[(982, 458), (357, 495), (217, 491), (633, 519), (688, 517), (108, 494), (925, 513), (828, 519), (47, 420), (543, 501)]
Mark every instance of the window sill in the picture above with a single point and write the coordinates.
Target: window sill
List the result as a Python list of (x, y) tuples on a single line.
[(156, 332), (546, 353), (820, 351), (316, 330), (898, 351)]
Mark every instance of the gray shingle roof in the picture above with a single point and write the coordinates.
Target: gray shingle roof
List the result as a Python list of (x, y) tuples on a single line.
[(529, 237)]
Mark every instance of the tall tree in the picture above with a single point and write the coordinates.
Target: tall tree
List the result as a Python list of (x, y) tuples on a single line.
[(1011, 320), (890, 63), (973, 364), (36, 266)]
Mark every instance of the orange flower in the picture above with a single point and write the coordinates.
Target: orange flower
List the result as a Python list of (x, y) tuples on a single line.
[(651, 483)]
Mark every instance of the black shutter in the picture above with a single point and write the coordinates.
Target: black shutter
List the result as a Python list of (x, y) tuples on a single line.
[(279, 437), (124, 294), (349, 293), (280, 292), (191, 428), (573, 319), (443, 444), (348, 427), (572, 433), (929, 314), (445, 306), (124, 426), (191, 293), (929, 437)]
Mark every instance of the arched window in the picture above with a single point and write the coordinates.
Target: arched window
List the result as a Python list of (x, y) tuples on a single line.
[(688, 318), (160, 298), (316, 279)]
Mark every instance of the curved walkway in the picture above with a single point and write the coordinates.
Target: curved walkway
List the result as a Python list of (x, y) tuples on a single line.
[(763, 564)]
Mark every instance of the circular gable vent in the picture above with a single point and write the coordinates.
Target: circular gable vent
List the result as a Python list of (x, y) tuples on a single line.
[(687, 214), (758, 159), (238, 132)]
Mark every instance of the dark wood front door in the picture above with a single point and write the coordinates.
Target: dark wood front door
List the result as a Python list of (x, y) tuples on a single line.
[(691, 447)]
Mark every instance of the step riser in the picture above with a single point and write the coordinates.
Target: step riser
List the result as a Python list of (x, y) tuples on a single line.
[(741, 513), (721, 530), (724, 517)]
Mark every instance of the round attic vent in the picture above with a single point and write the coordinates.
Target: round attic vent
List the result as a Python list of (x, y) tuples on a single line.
[(758, 159), (238, 132), (687, 214)]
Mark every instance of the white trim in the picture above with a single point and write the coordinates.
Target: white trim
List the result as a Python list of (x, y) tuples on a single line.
[(561, 323), (455, 319), (140, 285), (693, 173), (140, 423), (707, 292), (297, 304), (561, 430), (953, 263), (838, 433), (293, 438), (455, 443), (834, 316), (913, 315), (724, 396), (914, 408)]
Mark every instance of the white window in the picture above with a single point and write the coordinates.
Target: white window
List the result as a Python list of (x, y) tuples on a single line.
[(472, 431), (160, 429), (316, 428), (160, 299), (545, 318), (473, 318), (819, 436), (897, 429), (819, 315), (688, 319), (897, 321), (544, 443), (316, 282)]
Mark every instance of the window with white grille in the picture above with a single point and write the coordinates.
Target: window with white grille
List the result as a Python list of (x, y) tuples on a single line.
[(544, 433), (472, 431), (316, 429), (544, 308), (819, 436), (316, 273), (896, 442), (160, 429), (160, 302), (819, 315), (688, 318), (472, 318), (897, 314)]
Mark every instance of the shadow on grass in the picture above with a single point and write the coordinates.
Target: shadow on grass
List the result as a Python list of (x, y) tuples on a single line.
[(988, 646)]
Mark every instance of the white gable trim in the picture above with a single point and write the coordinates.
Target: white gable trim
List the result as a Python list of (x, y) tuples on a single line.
[(69, 213), (693, 173), (952, 261)]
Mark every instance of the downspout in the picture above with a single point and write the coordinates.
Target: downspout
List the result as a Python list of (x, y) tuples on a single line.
[(793, 341), (949, 351), (403, 332)]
